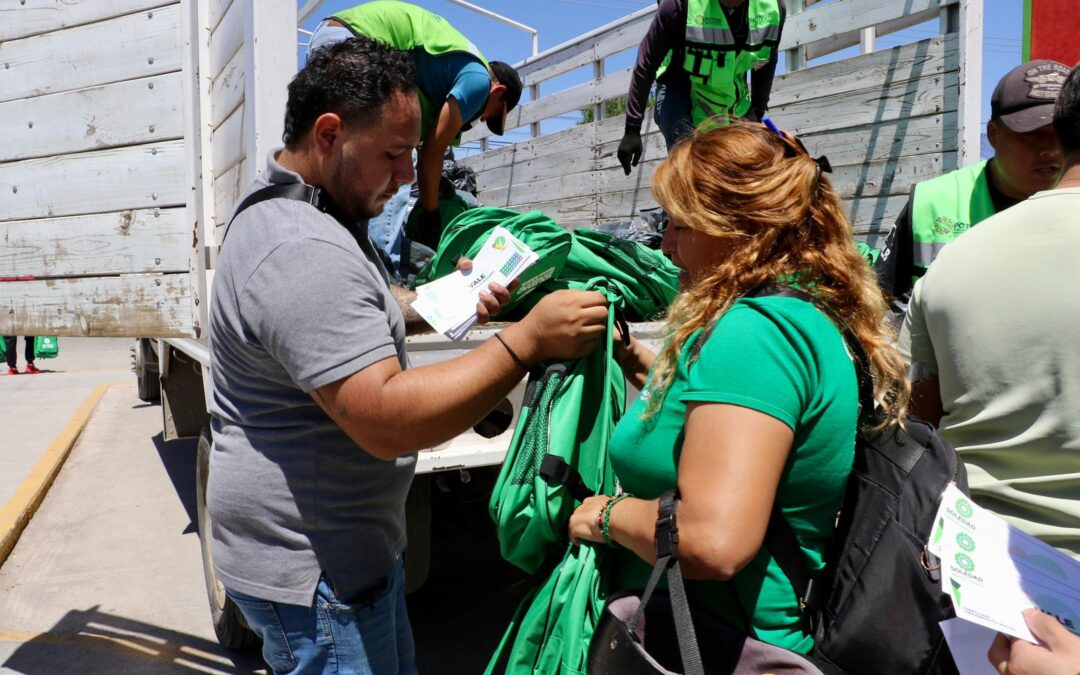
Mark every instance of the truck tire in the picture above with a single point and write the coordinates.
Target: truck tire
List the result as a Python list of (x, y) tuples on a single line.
[(146, 371), (229, 625), (418, 533)]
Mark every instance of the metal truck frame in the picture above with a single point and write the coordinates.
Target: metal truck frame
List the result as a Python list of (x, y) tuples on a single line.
[(131, 127)]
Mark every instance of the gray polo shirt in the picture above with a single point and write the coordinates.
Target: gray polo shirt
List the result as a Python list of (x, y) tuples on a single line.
[(297, 305)]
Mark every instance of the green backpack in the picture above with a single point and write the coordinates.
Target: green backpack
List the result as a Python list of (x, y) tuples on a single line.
[(558, 454), (466, 234)]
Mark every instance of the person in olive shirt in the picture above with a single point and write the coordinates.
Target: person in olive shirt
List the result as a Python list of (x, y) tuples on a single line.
[(699, 52), (752, 401), (456, 85), (1027, 159)]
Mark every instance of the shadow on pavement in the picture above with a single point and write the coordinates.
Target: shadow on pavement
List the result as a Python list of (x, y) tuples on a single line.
[(92, 642), (178, 458)]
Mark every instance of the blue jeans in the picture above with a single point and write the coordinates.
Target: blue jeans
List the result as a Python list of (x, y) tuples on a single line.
[(368, 635), (672, 111)]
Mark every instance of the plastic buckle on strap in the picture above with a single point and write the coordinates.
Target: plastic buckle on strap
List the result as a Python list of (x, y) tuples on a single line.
[(667, 530)]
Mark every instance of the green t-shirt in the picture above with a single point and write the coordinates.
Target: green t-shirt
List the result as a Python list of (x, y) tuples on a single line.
[(783, 357)]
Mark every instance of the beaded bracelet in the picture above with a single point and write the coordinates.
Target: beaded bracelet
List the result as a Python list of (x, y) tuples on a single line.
[(605, 524)]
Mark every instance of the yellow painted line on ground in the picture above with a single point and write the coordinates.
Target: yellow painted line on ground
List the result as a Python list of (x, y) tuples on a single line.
[(17, 512)]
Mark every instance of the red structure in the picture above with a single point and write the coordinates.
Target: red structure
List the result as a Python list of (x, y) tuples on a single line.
[(1050, 30)]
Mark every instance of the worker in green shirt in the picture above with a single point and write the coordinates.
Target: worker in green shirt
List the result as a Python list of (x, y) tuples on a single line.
[(456, 85), (1027, 159)]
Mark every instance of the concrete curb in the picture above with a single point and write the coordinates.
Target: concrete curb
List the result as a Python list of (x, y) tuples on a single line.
[(15, 515)]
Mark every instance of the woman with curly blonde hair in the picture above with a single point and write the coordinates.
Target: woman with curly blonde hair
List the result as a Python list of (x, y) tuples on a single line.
[(753, 400)]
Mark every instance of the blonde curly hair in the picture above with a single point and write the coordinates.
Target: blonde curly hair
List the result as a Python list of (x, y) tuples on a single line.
[(762, 193)]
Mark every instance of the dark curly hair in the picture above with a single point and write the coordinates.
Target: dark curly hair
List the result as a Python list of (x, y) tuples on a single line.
[(352, 78), (1067, 114)]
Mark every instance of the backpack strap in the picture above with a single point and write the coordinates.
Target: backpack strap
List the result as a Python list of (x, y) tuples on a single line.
[(318, 198)]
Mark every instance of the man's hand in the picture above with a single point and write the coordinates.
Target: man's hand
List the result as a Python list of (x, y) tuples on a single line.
[(563, 325), (629, 152), (492, 300), (1059, 653)]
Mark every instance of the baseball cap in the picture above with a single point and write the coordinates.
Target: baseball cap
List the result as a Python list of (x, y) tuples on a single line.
[(506, 75), (1024, 99)]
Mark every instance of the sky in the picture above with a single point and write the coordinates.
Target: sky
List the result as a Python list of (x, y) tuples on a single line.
[(558, 21)]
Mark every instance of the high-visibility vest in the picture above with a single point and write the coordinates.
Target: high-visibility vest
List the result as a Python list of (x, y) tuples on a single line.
[(406, 26), (716, 66), (945, 207)]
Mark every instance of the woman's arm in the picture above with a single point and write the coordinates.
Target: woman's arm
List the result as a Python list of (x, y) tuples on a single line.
[(635, 360), (731, 463)]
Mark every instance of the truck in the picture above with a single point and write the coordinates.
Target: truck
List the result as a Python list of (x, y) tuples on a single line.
[(132, 127)]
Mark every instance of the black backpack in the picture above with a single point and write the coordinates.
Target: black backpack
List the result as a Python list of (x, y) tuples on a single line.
[(876, 605)]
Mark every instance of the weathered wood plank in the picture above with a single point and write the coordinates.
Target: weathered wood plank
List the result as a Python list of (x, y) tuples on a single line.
[(218, 8), (147, 240), (227, 37), (628, 32), (887, 140), (888, 67), (574, 98), (227, 190), (128, 47), (228, 89), (119, 179), (33, 17), (227, 142), (933, 95), (838, 42), (871, 215), (152, 305), (106, 116), (844, 16)]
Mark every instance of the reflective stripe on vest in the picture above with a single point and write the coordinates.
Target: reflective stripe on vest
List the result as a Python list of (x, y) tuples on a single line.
[(406, 26), (717, 70), (945, 207)]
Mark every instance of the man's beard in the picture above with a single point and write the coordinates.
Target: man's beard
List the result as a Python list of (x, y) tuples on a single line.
[(345, 194)]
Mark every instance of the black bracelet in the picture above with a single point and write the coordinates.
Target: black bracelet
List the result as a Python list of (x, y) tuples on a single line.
[(513, 355)]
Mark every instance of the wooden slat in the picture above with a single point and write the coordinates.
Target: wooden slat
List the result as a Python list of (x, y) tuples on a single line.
[(120, 179), (106, 116), (887, 140), (218, 8), (872, 215), (574, 98), (228, 89), (227, 190), (933, 95), (227, 38), (888, 177), (580, 52), (836, 43), (136, 45), (227, 143), (152, 305), (891, 66), (147, 240), (845, 16), (33, 17)]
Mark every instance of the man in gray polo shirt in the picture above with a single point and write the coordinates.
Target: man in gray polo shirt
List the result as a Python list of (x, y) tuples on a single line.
[(316, 420)]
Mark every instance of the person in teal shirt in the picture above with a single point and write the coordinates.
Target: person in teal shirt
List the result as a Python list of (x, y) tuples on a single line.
[(457, 85), (751, 401)]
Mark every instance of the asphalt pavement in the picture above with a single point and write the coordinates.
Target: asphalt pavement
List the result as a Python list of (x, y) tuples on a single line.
[(107, 576)]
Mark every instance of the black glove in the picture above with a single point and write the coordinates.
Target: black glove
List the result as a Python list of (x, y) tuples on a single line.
[(430, 228), (629, 150)]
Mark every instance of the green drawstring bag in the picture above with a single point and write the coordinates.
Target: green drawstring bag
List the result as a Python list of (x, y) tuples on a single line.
[(466, 234), (553, 626), (645, 279), (46, 347), (558, 453)]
